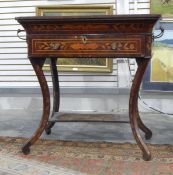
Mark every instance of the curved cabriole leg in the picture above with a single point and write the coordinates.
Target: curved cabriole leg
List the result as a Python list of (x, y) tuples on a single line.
[(37, 65), (56, 94), (143, 62), (145, 129)]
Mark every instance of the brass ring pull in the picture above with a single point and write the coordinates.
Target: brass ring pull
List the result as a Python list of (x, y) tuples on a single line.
[(159, 35), (54, 46), (18, 31)]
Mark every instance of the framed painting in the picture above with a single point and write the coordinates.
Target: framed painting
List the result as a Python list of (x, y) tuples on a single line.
[(79, 64), (163, 7), (159, 73)]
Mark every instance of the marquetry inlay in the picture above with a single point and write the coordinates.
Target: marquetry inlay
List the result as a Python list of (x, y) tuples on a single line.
[(134, 27), (116, 45)]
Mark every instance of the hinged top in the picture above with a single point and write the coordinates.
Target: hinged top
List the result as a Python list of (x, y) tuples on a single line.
[(89, 24), (103, 18)]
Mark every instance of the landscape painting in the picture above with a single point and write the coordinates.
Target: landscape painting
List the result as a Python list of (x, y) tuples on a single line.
[(163, 7), (159, 74), (79, 64)]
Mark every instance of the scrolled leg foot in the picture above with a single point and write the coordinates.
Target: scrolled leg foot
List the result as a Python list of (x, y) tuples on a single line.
[(148, 135), (48, 127), (48, 131), (147, 157), (144, 128), (26, 148)]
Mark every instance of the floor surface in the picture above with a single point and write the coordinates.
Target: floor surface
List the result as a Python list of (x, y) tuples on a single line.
[(23, 123)]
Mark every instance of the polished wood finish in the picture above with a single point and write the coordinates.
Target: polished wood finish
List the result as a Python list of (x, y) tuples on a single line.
[(112, 36), (56, 94), (37, 65)]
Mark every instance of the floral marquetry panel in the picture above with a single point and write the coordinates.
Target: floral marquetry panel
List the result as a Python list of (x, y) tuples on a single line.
[(81, 46)]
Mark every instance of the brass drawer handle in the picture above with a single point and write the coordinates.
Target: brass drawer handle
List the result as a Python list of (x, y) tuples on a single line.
[(114, 46), (54, 46)]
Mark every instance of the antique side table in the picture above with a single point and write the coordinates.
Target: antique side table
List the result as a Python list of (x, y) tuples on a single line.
[(115, 36)]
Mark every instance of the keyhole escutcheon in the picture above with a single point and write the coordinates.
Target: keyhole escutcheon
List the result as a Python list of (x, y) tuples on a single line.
[(84, 39)]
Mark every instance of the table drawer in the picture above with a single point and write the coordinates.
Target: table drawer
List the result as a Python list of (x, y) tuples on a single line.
[(87, 46)]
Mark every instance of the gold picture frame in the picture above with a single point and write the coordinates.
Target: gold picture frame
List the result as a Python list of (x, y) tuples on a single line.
[(82, 64)]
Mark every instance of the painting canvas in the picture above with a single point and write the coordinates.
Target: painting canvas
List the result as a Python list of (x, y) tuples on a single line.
[(163, 7), (79, 64), (159, 74)]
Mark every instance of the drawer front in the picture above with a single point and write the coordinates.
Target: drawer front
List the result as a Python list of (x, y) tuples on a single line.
[(87, 46)]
